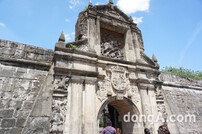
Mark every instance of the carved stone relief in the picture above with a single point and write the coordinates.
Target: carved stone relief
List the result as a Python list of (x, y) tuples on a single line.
[(116, 83), (112, 13), (112, 44), (59, 103), (160, 102)]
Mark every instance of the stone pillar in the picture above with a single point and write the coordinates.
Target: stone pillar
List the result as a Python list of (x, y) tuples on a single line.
[(146, 105), (91, 33), (129, 47), (98, 38), (89, 105), (76, 106), (137, 46), (154, 111)]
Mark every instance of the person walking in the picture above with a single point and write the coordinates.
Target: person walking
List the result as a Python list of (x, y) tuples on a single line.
[(163, 130), (109, 129), (118, 131), (146, 131)]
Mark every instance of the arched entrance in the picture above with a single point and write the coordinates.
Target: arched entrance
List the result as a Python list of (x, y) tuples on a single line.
[(113, 110)]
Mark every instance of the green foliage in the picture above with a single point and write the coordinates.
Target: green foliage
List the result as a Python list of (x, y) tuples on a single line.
[(85, 8), (183, 72), (101, 124), (72, 46)]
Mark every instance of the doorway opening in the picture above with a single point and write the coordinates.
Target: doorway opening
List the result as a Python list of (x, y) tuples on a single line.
[(113, 111)]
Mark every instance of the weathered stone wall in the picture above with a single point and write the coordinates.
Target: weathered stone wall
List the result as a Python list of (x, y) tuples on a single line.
[(26, 81), (23, 70), (183, 96)]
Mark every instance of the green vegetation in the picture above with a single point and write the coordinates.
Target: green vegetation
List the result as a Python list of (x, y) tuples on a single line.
[(183, 72), (85, 8), (72, 46)]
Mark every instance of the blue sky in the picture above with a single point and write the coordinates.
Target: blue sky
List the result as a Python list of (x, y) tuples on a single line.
[(172, 29)]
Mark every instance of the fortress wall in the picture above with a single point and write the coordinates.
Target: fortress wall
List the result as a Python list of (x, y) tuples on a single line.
[(182, 96), (23, 70)]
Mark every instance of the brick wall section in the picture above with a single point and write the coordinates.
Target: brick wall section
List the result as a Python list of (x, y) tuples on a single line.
[(23, 70)]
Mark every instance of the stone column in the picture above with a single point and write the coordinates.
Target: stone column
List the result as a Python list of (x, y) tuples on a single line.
[(129, 47), (76, 106), (91, 33), (146, 105), (90, 119), (98, 38), (137, 46), (154, 111)]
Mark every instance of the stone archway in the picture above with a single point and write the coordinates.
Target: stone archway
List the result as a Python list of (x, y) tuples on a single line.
[(123, 107)]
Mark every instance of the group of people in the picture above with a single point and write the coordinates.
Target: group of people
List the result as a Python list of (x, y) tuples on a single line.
[(162, 130), (110, 130)]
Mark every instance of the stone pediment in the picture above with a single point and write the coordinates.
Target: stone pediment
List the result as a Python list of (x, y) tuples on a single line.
[(113, 12), (146, 60)]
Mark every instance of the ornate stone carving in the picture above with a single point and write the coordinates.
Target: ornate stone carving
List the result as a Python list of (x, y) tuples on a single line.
[(112, 44), (160, 102), (135, 96), (104, 89), (111, 13), (62, 84), (119, 79), (116, 81), (59, 104)]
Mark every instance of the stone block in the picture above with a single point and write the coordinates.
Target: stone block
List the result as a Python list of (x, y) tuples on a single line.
[(7, 73), (20, 122), (27, 105), (1, 103), (15, 131), (16, 104), (6, 123), (4, 131), (6, 113), (37, 125)]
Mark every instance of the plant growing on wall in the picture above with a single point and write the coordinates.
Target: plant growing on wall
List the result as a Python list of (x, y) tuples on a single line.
[(183, 72), (85, 8), (72, 46)]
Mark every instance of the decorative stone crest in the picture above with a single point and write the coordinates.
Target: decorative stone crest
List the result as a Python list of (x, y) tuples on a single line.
[(116, 81), (119, 79)]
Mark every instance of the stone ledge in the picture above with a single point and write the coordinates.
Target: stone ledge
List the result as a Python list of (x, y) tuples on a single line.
[(75, 72), (172, 79), (10, 50), (26, 62), (75, 57), (180, 86), (102, 58)]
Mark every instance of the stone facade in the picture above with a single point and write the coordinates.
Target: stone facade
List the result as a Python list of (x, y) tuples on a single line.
[(65, 91)]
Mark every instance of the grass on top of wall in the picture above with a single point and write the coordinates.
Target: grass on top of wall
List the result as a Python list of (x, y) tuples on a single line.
[(183, 72)]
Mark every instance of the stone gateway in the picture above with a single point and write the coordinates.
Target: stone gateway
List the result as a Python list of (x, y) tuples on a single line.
[(99, 78)]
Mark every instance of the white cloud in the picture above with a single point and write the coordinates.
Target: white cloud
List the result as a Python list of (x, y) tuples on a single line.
[(67, 37), (2, 24), (137, 20), (73, 33), (67, 20), (99, 3), (73, 3), (132, 6)]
